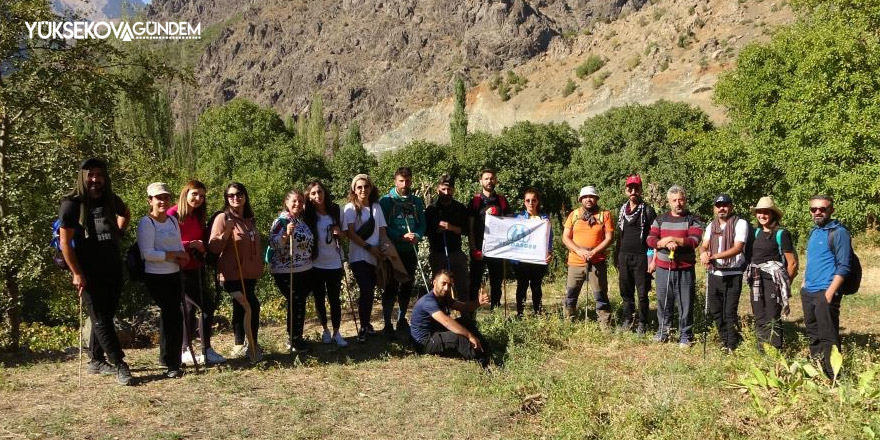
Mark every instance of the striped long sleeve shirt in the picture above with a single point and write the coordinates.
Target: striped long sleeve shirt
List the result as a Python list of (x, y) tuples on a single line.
[(689, 227)]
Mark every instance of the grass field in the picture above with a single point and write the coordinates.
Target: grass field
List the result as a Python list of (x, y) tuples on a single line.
[(552, 379)]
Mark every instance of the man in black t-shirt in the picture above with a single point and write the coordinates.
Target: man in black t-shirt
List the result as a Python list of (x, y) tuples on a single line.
[(447, 220), (93, 219), (485, 202), (633, 226)]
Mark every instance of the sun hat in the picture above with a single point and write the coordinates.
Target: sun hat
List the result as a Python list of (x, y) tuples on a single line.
[(766, 202)]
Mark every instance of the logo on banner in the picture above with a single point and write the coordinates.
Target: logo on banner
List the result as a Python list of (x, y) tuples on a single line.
[(516, 237)]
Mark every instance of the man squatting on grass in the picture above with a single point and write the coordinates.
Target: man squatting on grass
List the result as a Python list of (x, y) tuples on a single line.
[(829, 248), (723, 256), (433, 331), (93, 220), (675, 234)]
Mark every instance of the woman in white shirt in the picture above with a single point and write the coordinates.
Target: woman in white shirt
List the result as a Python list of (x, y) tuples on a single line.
[(364, 223), (158, 237)]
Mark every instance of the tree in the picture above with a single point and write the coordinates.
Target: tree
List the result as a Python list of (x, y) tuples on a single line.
[(427, 160), (315, 133), (352, 159), (458, 122)]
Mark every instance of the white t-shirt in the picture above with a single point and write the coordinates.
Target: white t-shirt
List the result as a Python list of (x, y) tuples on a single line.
[(739, 235), (328, 257), (355, 252), (154, 239)]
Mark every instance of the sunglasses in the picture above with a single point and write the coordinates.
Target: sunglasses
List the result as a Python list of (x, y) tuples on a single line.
[(234, 196), (815, 209)]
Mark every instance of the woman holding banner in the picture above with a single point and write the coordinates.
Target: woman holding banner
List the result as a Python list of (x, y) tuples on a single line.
[(531, 274)]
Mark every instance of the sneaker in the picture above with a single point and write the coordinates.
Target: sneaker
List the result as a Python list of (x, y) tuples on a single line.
[(101, 367), (339, 340), (186, 358), (212, 357), (362, 335), (660, 339), (123, 374), (173, 374), (370, 329), (238, 351), (640, 329), (258, 352), (325, 337), (684, 344)]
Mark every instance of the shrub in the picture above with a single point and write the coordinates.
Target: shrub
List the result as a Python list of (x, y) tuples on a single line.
[(590, 66), (569, 88)]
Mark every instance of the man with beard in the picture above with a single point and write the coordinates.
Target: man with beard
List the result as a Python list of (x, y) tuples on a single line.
[(405, 217), (633, 225), (93, 219), (722, 253), (675, 235), (446, 220), (829, 262), (588, 232), (485, 202), (433, 331)]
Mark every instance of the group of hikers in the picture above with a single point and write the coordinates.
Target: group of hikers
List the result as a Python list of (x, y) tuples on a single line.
[(305, 257)]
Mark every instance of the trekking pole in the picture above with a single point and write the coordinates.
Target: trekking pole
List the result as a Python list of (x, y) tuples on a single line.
[(202, 330), (246, 305), (706, 316), (80, 372), (668, 292), (418, 263), (347, 285), (504, 285), (290, 292), (448, 263), (186, 325)]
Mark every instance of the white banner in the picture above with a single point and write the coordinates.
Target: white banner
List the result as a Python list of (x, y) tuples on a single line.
[(516, 239)]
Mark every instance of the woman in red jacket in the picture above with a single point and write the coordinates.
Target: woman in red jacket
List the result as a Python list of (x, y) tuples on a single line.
[(191, 212)]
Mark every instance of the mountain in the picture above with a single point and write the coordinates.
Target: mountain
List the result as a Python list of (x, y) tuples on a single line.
[(390, 65), (100, 10)]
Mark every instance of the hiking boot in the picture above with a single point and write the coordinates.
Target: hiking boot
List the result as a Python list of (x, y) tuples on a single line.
[(569, 312), (640, 329), (339, 340), (370, 330), (173, 374), (604, 318), (362, 335), (186, 358), (625, 326), (325, 337), (402, 325), (388, 330), (238, 351), (300, 346), (123, 374), (101, 367), (661, 338), (212, 357)]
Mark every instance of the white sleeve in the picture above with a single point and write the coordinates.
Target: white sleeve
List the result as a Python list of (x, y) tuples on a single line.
[(707, 233), (741, 232), (179, 233), (347, 216), (146, 238), (379, 216)]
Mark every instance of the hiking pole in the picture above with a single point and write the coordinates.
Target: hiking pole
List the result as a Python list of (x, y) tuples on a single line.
[(290, 292), (504, 285), (448, 263), (80, 372), (666, 313), (706, 316), (418, 262), (202, 330), (246, 305), (186, 325), (347, 285)]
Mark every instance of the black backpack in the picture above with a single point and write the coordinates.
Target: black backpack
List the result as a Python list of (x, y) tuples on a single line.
[(210, 257), (853, 281)]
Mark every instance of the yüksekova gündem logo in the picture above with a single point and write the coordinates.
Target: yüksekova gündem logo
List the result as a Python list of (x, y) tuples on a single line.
[(122, 30)]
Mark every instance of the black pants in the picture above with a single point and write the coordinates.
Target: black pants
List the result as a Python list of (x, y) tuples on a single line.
[(633, 279), (165, 289), (100, 300), (529, 275), (194, 289), (450, 344), (724, 293), (328, 283), (296, 306), (496, 272), (365, 276), (238, 311), (767, 311), (400, 292), (822, 320)]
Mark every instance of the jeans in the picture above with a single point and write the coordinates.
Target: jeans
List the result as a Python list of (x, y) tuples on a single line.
[(723, 302), (529, 275), (597, 276), (238, 323), (767, 311), (100, 300), (496, 272), (633, 279), (675, 287), (165, 289), (400, 292), (328, 283), (365, 276), (822, 320)]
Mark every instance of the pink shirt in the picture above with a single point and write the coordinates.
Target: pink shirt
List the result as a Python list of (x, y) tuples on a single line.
[(191, 229)]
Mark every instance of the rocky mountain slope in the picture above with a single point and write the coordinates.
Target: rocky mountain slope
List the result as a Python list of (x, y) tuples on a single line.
[(100, 10), (390, 65)]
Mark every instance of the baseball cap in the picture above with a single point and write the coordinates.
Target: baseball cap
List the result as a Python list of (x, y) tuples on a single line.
[(588, 191), (722, 198), (157, 188), (635, 179)]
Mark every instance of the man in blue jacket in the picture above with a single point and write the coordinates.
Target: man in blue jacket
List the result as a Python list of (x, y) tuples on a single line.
[(405, 216), (828, 263)]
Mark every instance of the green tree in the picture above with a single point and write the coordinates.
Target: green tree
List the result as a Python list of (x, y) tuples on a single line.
[(315, 130), (427, 160), (352, 159), (458, 120)]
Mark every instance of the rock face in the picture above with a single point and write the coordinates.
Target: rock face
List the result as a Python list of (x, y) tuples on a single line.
[(373, 61)]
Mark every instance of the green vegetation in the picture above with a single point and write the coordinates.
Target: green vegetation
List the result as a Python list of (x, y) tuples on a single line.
[(569, 88), (599, 80), (590, 66)]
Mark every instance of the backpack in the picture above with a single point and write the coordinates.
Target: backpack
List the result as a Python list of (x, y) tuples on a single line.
[(210, 257), (753, 237), (852, 281), (55, 243), (478, 200), (134, 260)]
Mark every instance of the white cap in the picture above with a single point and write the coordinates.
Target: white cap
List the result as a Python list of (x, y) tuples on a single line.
[(156, 188), (588, 191)]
